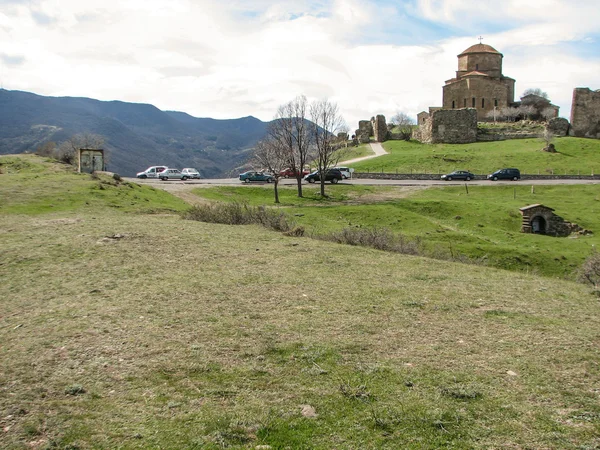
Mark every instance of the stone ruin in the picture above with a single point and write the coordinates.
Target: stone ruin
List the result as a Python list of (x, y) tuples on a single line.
[(585, 113), (364, 131), (450, 126), (558, 126), (375, 127), (540, 219), (380, 129)]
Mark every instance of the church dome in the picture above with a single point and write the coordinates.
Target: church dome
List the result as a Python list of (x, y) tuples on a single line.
[(480, 48)]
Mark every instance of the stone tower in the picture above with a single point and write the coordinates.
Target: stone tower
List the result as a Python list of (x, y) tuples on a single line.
[(479, 82)]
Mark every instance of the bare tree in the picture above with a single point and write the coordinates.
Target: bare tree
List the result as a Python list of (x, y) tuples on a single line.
[(46, 149), (68, 150), (269, 154), (509, 113), (290, 131), (527, 111), (548, 113), (535, 91), (493, 114), (326, 122), (404, 123)]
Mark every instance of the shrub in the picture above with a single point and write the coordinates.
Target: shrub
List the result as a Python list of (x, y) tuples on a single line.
[(240, 214), (378, 238), (589, 272)]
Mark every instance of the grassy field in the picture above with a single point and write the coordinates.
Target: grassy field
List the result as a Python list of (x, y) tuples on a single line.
[(575, 155), (485, 224), (355, 152), (124, 326)]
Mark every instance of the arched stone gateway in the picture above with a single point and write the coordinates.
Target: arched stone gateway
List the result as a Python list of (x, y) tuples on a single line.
[(540, 219), (539, 225)]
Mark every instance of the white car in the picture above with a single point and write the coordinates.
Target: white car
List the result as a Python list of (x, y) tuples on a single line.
[(191, 173), (151, 172), (346, 171)]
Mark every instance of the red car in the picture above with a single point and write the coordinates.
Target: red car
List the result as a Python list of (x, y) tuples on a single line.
[(289, 173)]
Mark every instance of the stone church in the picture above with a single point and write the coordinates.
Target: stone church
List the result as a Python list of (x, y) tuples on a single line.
[(479, 83)]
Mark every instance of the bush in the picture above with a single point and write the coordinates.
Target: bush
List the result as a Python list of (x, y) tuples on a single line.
[(589, 272), (240, 214), (378, 238)]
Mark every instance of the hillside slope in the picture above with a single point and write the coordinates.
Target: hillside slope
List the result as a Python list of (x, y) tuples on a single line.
[(137, 135), (125, 326)]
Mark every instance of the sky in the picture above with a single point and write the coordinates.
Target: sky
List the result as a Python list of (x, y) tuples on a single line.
[(235, 58)]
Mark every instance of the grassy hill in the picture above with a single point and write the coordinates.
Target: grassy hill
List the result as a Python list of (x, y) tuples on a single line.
[(483, 225), (124, 326), (575, 155)]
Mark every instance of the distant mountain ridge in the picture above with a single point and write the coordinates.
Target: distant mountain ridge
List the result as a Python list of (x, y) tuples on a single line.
[(137, 135)]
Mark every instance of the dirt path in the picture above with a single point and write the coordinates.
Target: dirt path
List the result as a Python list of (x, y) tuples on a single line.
[(377, 148)]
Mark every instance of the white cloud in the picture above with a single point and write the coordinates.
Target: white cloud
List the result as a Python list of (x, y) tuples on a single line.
[(243, 57)]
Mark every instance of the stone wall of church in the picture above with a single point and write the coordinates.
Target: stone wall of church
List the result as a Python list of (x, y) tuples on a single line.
[(481, 93), (489, 63), (585, 113)]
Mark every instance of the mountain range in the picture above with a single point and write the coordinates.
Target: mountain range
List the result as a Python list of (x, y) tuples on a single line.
[(136, 135)]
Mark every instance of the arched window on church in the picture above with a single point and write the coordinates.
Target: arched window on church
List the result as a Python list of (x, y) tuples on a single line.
[(495, 102), (476, 66), (453, 105), (482, 103), (473, 102), (464, 103)]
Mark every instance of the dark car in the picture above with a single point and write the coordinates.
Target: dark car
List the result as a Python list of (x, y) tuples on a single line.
[(458, 175), (247, 177), (505, 174), (333, 175)]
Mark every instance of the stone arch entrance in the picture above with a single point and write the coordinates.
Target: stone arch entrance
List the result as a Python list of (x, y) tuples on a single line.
[(539, 225)]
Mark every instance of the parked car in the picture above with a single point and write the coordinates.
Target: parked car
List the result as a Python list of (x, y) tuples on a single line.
[(505, 174), (256, 176), (458, 175), (191, 173), (346, 171), (151, 172), (174, 174), (333, 175), (289, 173)]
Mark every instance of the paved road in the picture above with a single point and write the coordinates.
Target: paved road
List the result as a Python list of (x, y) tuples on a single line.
[(190, 184)]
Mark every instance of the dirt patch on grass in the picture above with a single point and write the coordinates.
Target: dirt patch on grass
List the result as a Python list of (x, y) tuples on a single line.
[(391, 194)]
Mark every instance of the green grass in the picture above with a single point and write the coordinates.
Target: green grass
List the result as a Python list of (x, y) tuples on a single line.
[(355, 152), (31, 188), (575, 155), (182, 334), (486, 223), (288, 195)]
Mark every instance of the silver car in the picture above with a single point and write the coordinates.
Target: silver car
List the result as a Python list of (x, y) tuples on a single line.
[(191, 173), (172, 174)]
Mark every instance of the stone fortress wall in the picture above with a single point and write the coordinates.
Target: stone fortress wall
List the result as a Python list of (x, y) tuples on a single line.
[(585, 113), (452, 126)]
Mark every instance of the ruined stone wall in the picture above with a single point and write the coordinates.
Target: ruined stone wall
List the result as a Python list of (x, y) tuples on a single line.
[(422, 117), (585, 113), (380, 130), (449, 126), (364, 131)]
